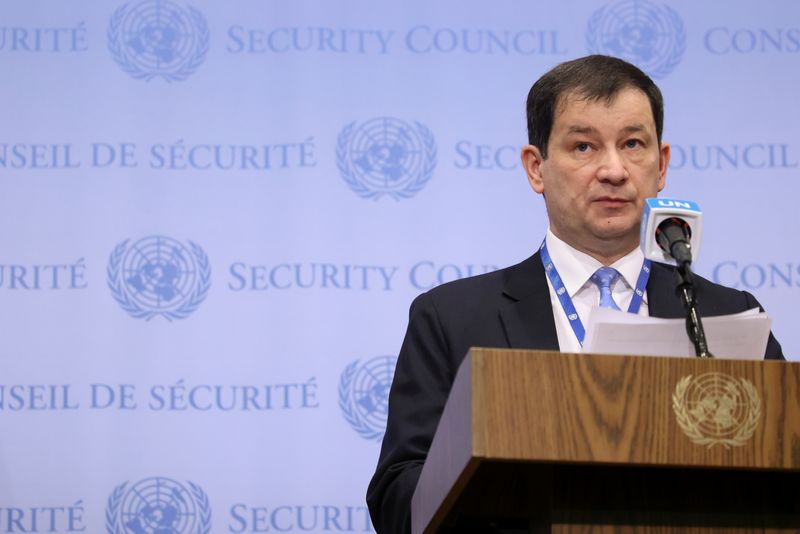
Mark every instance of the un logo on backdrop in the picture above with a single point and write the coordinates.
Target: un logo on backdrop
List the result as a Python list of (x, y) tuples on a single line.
[(158, 505), (364, 395), (158, 275), (158, 38), (641, 32), (386, 156)]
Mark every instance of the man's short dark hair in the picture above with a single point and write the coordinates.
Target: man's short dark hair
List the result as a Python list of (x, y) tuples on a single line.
[(588, 78)]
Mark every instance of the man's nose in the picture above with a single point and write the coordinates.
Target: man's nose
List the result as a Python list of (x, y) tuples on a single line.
[(612, 167)]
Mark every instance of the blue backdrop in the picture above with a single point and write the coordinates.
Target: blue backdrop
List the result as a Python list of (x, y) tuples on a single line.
[(215, 215)]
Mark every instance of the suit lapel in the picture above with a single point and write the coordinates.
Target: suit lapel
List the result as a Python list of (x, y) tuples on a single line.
[(527, 314)]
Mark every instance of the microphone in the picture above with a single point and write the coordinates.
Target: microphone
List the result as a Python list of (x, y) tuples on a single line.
[(671, 230), (671, 234)]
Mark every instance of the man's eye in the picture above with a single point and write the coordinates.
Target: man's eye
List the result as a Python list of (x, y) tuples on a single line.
[(582, 147), (632, 143)]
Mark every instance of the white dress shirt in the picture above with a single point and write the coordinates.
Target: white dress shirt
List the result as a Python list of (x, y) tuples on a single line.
[(575, 269)]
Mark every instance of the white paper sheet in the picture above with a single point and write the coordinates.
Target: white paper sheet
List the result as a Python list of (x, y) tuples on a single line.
[(742, 336)]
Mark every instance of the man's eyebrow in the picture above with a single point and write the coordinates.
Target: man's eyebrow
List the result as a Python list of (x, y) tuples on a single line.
[(631, 128), (636, 127), (581, 129)]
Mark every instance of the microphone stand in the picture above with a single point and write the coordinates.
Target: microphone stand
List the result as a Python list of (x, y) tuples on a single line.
[(673, 236), (694, 325)]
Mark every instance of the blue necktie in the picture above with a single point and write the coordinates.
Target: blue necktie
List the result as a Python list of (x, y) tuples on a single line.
[(603, 278)]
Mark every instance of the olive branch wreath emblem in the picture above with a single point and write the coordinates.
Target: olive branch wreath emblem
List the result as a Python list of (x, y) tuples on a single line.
[(117, 496), (189, 64), (743, 433), (412, 188), (667, 63), (349, 410), (116, 284)]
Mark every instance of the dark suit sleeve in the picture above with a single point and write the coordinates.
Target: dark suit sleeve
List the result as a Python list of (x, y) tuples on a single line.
[(423, 377)]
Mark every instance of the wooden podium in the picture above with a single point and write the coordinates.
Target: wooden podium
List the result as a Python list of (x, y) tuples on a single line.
[(547, 442)]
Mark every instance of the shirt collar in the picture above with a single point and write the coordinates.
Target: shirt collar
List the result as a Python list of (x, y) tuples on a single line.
[(576, 267)]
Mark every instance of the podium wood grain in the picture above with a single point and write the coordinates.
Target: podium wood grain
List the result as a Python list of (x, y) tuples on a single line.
[(574, 441)]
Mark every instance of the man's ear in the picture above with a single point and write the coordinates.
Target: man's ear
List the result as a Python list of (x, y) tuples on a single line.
[(532, 163), (663, 164)]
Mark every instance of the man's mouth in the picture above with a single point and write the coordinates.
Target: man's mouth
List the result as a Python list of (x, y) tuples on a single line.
[(611, 202)]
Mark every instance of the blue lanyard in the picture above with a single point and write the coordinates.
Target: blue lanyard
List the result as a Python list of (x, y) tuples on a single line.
[(566, 301)]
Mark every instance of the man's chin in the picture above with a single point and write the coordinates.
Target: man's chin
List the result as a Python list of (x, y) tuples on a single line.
[(615, 230)]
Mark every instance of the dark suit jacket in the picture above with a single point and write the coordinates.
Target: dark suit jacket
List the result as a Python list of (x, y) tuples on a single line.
[(507, 308)]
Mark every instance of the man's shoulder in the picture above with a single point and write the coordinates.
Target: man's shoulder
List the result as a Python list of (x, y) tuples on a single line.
[(699, 281), (482, 286), (713, 298)]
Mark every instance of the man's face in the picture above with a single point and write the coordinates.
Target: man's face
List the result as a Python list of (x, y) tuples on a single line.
[(603, 161)]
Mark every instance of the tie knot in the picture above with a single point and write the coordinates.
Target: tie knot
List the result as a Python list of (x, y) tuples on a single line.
[(604, 277)]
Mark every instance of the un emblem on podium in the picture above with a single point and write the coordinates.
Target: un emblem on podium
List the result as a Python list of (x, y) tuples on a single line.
[(158, 275), (158, 38), (639, 31), (158, 505), (364, 395), (386, 156), (716, 409)]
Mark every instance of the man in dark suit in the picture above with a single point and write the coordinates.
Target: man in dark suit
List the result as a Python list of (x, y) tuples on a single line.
[(595, 154)]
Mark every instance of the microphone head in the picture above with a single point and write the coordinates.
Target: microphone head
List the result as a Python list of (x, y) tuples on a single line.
[(658, 210)]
